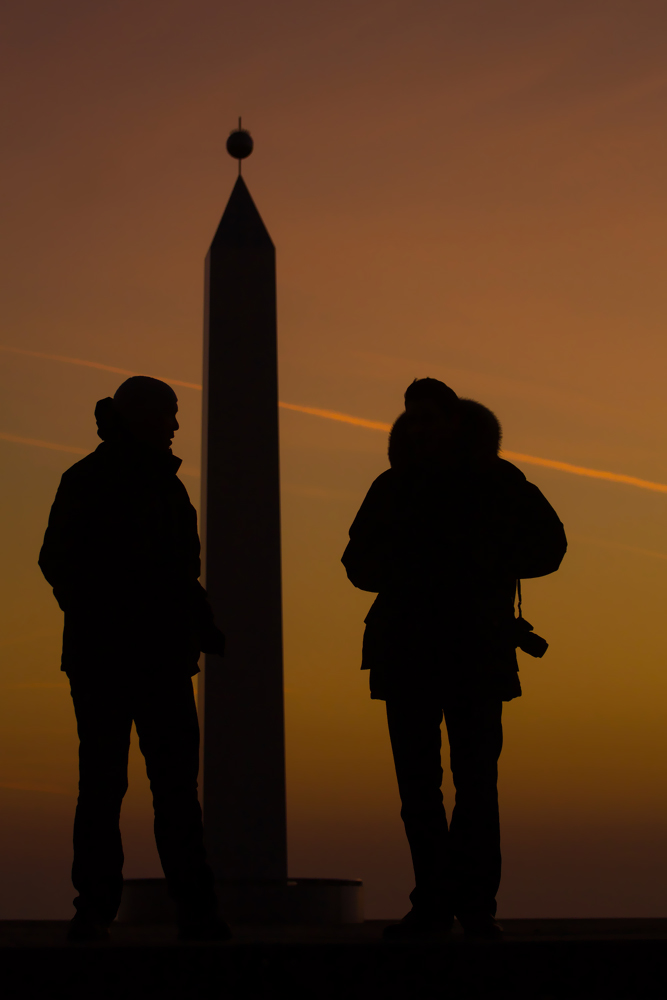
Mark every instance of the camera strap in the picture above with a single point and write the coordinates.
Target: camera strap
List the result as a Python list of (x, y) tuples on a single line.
[(518, 594)]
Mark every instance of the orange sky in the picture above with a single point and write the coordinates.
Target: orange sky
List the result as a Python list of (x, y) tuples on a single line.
[(469, 190)]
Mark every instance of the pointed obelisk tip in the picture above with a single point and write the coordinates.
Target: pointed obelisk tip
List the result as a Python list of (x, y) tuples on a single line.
[(239, 143)]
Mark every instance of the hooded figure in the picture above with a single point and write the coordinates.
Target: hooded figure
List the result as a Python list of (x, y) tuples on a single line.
[(443, 543), (442, 538), (121, 552)]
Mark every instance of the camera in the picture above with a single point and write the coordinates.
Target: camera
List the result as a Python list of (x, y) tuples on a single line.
[(527, 640)]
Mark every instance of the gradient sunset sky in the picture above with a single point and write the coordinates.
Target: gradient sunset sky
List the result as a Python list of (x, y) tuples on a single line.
[(472, 190)]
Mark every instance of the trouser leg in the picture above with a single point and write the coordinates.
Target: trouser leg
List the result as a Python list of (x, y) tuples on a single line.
[(104, 723), (168, 729), (475, 739), (414, 730)]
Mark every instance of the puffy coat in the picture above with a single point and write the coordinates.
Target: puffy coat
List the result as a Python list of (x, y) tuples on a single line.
[(443, 550)]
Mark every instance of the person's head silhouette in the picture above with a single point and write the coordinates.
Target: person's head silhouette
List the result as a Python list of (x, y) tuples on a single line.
[(424, 434), (480, 433), (142, 408), (429, 394)]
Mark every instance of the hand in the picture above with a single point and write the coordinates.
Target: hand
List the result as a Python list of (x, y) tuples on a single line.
[(213, 642)]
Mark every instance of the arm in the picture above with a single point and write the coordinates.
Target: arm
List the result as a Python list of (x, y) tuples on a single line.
[(57, 555), (542, 542), (211, 638), (366, 558)]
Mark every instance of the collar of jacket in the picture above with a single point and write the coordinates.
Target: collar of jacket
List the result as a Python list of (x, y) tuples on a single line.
[(142, 458)]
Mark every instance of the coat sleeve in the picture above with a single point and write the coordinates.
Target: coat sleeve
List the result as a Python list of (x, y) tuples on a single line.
[(57, 555), (542, 542), (366, 558), (209, 636)]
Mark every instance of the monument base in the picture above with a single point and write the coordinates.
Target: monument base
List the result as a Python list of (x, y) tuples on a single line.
[(324, 901)]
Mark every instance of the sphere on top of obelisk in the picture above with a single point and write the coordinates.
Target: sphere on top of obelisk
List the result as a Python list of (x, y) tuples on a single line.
[(239, 143)]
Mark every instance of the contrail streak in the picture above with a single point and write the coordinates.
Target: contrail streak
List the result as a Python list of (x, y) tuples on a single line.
[(345, 418), (511, 456), (92, 364), (580, 470), (15, 439)]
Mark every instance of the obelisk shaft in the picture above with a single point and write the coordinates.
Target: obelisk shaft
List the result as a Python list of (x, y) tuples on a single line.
[(241, 697)]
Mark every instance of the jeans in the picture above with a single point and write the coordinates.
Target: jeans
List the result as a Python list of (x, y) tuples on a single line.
[(457, 868), (164, 713)]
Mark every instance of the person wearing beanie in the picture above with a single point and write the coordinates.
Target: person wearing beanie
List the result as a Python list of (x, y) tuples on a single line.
[(121, 552), (442, 538)]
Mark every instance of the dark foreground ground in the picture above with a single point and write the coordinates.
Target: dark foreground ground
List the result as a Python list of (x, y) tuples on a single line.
[(538, 959)]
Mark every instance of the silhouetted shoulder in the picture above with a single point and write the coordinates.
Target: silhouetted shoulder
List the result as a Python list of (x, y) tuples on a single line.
[(109, 461), (510, 473), (383, 482), (365, 558), (377, 504), (87, 468), (542, 540)]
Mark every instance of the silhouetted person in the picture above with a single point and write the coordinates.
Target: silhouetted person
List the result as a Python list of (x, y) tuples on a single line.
[(122, 554), (442, 537)]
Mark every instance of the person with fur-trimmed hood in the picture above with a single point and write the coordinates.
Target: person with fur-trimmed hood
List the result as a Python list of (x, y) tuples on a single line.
[(442, 538), (121, 552)]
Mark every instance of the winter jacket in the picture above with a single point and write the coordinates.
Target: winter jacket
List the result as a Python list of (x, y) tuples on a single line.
[(443, 549), (121, 552)]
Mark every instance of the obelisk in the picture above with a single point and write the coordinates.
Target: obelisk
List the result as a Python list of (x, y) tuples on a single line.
[(241, 696)]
